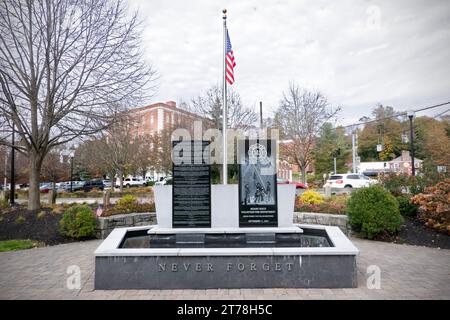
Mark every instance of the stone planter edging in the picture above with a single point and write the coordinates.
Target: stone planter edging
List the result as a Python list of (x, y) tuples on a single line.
[(106, 224), (326, 219)]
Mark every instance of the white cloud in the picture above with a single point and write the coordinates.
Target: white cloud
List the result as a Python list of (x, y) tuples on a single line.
[(358, 53)]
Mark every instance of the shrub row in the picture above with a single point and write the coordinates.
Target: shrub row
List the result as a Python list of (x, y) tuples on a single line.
[(434, 206)]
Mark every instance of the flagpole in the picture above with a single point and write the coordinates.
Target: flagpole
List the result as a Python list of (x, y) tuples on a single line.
[(224, 111)]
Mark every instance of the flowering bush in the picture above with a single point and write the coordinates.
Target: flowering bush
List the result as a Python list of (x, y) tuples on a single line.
[(127, 201), (311, 197), (128, 204), (334, 205), (434, 206)]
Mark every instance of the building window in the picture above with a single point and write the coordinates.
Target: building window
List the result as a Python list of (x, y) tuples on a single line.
[(168, 119), (152, 119)]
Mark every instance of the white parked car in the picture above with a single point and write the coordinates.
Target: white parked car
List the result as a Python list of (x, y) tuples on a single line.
[(164, 181), (131, 182), (107, 183), (349, 180)]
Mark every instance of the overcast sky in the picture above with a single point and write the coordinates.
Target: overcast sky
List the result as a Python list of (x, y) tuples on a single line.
[(358, 53)]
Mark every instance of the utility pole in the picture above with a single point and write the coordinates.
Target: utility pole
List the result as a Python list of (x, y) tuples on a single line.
[(335, 154), (12, 190), (354, 149), (334, 160), (411, 138), (260, 115)]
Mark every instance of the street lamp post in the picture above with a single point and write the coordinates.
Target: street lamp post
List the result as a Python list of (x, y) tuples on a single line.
[(71, 172), (411, 138), (12, 180), (69, 153), (6, 171)]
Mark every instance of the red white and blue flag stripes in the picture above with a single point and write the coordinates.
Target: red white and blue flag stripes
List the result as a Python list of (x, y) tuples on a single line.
[(230, 63)]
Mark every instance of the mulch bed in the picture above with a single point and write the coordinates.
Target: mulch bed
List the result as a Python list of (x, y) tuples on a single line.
[(43, 230), (414, 232)]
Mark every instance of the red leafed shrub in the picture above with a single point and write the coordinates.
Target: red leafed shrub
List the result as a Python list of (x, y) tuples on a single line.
[(434, 206)]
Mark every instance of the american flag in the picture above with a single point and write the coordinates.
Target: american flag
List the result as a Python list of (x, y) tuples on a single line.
[(230, 62)]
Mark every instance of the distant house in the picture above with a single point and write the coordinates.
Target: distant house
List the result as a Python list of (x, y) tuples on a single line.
[(402, 164)]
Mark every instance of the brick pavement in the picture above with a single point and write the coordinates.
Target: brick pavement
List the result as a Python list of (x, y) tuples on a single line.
[(407, 272)]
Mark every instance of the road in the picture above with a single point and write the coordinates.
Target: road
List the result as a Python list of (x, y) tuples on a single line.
[(85, 200)]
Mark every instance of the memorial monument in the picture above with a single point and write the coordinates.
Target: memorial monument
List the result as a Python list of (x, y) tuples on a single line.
[(225, 236)]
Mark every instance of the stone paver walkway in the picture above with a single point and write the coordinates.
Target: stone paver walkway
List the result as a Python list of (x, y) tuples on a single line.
[(407, 272)]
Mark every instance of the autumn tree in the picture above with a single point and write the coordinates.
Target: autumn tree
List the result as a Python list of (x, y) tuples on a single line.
[(432, 141), (331, 143), (386, 130), (65, 68), (300, 117)]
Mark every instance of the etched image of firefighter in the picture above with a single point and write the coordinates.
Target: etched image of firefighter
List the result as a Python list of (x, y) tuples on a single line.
[(257, 168)]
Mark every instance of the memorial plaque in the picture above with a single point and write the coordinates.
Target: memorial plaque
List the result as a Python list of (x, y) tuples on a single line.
[(191, 200), (257, 183)]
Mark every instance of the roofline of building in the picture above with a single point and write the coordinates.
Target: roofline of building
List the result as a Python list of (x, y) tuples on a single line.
[(167, 106)]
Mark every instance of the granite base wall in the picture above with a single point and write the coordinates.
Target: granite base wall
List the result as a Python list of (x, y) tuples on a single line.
[(207, 272), (106, 224)]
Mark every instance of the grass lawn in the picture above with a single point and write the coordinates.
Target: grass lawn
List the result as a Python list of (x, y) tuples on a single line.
[(12, 245)]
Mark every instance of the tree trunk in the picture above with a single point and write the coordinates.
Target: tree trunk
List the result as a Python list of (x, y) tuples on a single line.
[(120, 181), (112, 177), (34, 200), (303, 170)]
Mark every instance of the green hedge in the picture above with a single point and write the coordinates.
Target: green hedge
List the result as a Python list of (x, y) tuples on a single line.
[(373, 211), (406, 207), (78, 222)]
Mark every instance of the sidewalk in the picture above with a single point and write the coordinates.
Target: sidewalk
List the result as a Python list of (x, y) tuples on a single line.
[(407, 272)]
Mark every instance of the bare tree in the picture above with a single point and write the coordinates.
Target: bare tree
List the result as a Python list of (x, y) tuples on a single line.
[(210, 106), (300, 117), (118, 147), (65, 67), (88, 159), (55, 166)]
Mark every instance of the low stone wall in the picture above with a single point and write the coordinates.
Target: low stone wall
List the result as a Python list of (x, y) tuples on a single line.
[(106, 224), (326, 219)]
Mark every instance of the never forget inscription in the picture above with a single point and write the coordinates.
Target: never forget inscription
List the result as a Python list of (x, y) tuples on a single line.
[(191, 201)]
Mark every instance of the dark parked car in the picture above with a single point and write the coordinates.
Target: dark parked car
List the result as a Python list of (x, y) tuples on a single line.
[(93, 184)]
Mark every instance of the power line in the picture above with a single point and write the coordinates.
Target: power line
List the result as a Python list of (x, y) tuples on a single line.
[(396, 115), (402, 130)]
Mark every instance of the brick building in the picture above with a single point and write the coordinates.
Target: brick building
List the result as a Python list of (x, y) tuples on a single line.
[(161, 115)]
